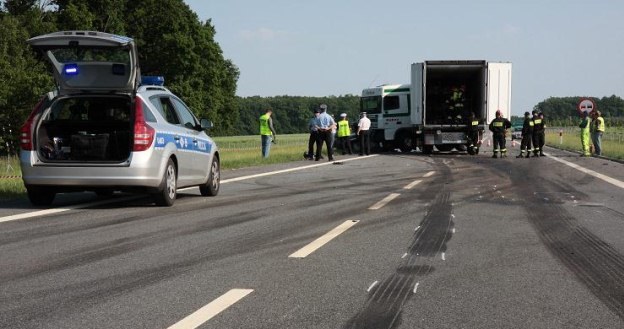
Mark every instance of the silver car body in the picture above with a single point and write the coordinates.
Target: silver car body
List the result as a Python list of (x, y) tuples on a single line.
[(177, 134)]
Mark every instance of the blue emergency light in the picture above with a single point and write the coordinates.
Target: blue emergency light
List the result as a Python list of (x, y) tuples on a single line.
[(70, 69), (153, 80)]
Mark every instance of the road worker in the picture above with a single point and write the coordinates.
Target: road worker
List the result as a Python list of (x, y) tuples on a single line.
[(344, 134), (499, 127), (472, 134), (527, 136), (538, 134), (585, 134)]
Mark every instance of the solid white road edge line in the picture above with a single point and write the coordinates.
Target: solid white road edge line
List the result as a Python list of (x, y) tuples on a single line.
[(321, 241), (605, 178), (58, 210), (385, 201), (225, 181), (215, 307), (412, 184), (371, 286), (429, 174)]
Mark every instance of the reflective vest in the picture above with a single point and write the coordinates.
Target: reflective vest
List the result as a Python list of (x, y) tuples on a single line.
[(264, 125), (343, 128), (600, 125)]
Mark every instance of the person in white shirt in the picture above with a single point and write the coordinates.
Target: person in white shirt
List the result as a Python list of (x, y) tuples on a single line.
[(363, 134)]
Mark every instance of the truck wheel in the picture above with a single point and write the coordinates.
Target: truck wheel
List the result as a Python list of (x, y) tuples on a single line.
[(427, 149), (461, 147), (211, 188), (406, 142), (167, 194), (444, 147), (40, 195)]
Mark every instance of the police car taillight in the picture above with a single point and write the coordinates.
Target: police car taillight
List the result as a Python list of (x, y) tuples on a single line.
[(143, 133), (26, 129)]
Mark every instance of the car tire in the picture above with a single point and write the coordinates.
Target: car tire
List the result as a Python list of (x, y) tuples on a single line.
[(40, 196), (168, 187), (211, 188)]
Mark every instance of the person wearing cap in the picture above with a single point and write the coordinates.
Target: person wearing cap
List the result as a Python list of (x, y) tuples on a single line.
[(584, 125), (538, 134), (324, 123), (499, 127), (267, 132), (527, 136), (313, 128), (344, 133), (363, 133), (597, 129)]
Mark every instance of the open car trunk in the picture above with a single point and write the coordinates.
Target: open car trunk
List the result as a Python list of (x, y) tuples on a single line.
[(86, 129)]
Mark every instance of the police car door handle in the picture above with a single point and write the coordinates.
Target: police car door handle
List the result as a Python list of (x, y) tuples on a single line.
[(176, 137)]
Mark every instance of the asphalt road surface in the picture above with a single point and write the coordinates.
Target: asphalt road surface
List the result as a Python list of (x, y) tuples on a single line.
[(386, 241)]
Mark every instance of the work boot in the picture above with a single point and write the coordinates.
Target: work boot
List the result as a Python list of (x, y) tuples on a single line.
[(528, 156), (519, 156), (494, 156), (542, 154)]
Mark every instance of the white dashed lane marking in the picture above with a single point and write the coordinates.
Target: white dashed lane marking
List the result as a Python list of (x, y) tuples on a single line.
[(209, 311)]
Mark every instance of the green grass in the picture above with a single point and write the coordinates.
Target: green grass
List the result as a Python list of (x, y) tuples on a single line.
[(11, 185), (612, 141), (236, 152)]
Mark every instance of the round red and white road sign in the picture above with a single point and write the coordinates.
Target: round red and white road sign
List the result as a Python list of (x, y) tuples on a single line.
[(585, 105)]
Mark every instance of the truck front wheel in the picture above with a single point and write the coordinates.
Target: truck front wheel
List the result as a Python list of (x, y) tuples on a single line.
[(406, 142)]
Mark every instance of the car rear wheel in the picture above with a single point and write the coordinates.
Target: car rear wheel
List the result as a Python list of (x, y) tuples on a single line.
[(211, 188), (168, 190), (39, 195)]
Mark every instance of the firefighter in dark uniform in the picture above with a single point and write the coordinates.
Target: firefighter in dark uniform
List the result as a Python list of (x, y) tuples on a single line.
[(527, 136), (499, 127), (472, 134), (538, 134)]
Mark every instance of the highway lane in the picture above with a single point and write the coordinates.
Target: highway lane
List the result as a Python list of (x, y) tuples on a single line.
[(464, 242)]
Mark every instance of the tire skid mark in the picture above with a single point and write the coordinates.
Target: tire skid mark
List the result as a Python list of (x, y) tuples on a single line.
[(384, 306), (594, 262)]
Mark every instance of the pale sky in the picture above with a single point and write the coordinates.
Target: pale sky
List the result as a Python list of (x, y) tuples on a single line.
[(558, 48)]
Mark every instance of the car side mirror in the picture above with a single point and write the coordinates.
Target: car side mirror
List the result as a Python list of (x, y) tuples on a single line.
[(205, 124)]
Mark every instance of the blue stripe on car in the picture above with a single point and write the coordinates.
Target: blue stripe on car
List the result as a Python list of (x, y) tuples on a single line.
[(185, 143)]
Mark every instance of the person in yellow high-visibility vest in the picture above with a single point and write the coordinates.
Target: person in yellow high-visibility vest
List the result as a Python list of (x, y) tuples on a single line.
[(344, 134), (597, 129), (585, 134), (267, 132)]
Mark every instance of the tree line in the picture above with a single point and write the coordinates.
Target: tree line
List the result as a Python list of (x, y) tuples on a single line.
[(174, 43)]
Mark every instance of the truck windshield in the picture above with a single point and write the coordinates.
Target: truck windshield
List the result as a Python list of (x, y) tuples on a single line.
[(371, 104)]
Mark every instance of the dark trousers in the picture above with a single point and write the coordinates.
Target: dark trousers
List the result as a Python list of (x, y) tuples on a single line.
[(364, 142), (345, 144), (311, 142), (525, 145), (499, 143), (324, 136), (538, 142)]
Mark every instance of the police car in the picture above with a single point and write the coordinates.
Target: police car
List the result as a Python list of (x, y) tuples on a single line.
[(105, 128), (516, 132)]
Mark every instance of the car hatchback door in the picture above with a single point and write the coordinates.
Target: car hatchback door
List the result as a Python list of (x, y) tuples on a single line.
[(90, 61)]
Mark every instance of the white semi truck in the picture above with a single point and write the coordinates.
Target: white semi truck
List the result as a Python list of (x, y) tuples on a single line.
[(436, 108)]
